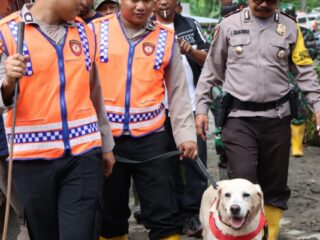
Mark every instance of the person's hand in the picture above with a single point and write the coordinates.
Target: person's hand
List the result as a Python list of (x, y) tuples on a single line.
[(109, 161), (318, 122), (189, 150), (185, 47), (202, 122), (15, 68)]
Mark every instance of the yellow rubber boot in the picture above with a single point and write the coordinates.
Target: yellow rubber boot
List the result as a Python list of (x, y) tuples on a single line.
[(172, 237), (123, 237), (297, 134), (273, 216)]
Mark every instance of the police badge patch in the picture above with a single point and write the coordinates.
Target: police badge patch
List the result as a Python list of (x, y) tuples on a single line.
[(148, 48), (75, 47)]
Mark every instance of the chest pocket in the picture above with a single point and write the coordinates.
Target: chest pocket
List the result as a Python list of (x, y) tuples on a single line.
[(239, 46), (280, 50)]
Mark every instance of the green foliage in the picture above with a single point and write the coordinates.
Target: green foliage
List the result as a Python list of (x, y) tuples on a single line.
[(206, 8), (297, 3), (311, 136), (211, 8)]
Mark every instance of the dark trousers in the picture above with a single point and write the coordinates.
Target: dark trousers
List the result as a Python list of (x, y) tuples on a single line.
[(190, 184), (154, 184), (60, 197), (258, 149)]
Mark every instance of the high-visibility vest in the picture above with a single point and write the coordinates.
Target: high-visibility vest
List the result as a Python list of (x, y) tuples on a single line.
[(54, 110), (132, 76)]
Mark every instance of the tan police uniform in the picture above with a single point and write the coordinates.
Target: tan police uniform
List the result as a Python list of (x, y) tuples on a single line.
[(251, 58)]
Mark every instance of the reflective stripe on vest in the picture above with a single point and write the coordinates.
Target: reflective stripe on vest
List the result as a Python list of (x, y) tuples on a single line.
[(104, 35), (85, 44), (160, 48)]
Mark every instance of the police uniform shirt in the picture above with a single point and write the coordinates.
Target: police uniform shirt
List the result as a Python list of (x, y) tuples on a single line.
[(252, 57)]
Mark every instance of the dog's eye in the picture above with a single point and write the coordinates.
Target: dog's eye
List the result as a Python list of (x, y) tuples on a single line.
[(246, 195), (227, 195)]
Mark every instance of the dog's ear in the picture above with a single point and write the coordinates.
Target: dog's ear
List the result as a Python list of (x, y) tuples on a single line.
[(218, 197), (260, 195)]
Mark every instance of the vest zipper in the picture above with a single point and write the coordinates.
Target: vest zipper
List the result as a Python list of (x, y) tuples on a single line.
[(128, 89), (59, 50), (65, 128)]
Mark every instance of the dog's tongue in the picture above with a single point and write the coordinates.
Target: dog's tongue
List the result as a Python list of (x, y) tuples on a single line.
[(237, 222)]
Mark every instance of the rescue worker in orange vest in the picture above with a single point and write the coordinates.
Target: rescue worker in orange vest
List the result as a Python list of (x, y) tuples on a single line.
[(136, 58), (60, 123)]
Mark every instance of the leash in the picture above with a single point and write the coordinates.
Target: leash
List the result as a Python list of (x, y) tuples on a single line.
[(198, 163), (10, 165), (158, 157), (204, 171)]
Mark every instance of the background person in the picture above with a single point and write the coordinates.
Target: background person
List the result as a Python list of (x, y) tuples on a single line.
[(87, 13), (106, 7), (250, 56), (193, 48)]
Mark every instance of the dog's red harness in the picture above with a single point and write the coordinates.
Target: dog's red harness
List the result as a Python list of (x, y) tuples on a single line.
[(221, 236)]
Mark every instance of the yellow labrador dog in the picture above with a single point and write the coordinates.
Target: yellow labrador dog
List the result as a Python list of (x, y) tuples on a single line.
[(233, 212)]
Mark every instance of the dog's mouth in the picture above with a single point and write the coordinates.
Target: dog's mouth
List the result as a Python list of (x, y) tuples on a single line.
[(237, 222)]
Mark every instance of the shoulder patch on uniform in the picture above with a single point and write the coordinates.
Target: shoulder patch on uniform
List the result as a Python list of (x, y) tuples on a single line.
[(234, 12), (287, 15), (216, 33)]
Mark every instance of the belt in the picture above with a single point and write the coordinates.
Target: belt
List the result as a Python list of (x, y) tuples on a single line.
[(255, 107)]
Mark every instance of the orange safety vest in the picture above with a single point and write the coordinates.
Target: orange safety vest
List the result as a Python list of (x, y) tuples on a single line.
[(132, 76), (54, 110)]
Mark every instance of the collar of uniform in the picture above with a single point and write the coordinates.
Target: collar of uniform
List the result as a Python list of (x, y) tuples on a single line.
[(248, 16), (28, 19), (134, 35)]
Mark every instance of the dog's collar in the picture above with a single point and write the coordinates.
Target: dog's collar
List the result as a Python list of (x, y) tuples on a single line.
[(220, 235)]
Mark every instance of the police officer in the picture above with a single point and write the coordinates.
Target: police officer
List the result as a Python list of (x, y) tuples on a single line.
[(250, 56)]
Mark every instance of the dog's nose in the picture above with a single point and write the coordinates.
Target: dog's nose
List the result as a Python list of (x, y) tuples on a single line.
[(235, 209)]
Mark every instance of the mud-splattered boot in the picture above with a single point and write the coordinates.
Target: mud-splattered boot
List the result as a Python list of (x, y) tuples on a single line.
[(273, 216), (297, 134)]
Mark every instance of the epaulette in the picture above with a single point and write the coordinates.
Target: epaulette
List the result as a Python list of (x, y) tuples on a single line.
[(234, 12), (289, 16)]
